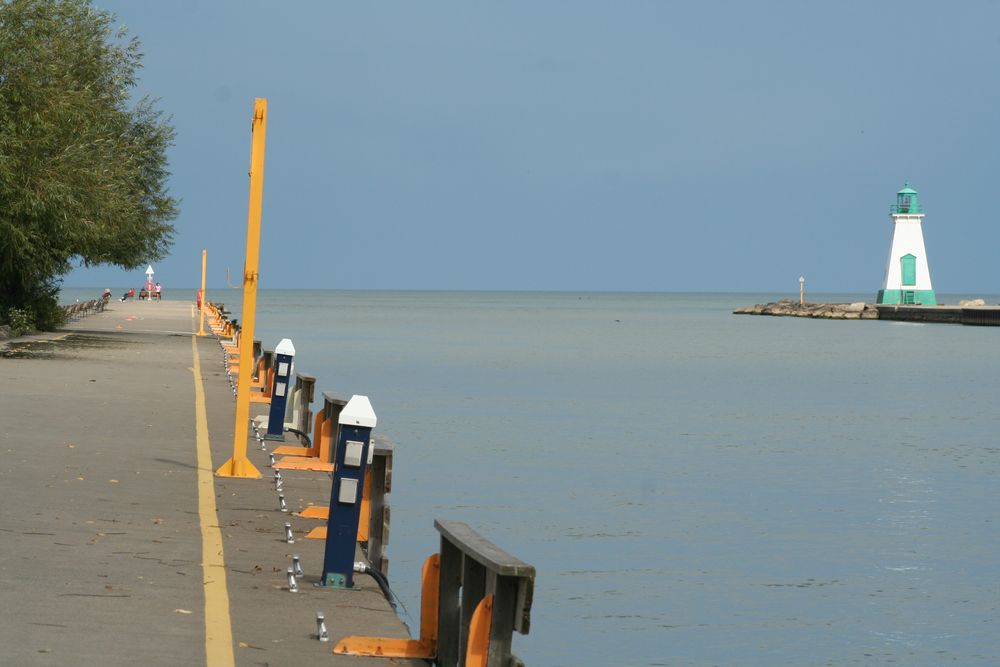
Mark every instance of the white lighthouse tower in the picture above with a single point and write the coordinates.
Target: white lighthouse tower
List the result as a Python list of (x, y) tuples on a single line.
[(907, 278)]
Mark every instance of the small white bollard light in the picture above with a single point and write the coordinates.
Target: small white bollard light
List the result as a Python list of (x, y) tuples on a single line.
[(282, 505), (289, 537), (270, 459), (293, 586), (321, 633), (297, 565), (279, 486)]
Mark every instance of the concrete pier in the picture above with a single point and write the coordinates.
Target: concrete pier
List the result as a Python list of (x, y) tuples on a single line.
[(976, 315), (828, 311), (110, 518), (972, 315)]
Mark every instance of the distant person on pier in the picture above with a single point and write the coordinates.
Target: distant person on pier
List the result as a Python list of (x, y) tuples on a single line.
[(158, 291)]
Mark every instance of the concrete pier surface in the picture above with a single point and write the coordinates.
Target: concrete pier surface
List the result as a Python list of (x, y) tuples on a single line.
[(106, 533)]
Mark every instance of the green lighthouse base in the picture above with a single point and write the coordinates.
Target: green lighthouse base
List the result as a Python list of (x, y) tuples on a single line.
[(905, 297)]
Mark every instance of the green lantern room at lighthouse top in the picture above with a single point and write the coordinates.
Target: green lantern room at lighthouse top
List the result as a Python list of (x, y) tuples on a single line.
[(906, 201)]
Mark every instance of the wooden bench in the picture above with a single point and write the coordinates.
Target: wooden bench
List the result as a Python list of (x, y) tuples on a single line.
[(473, 568)]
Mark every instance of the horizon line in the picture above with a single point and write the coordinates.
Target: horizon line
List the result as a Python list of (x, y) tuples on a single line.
[(236, 290)]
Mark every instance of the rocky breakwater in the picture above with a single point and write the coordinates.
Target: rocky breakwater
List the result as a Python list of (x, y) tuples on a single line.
[(829, 311)]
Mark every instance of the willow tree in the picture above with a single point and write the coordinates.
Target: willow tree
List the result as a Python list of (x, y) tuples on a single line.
[(83, 165)]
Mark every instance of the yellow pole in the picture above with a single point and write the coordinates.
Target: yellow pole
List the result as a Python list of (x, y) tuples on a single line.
[(239, 465), (204, 303)]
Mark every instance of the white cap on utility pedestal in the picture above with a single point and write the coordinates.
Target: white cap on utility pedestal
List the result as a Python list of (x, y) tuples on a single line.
[(285, 347), (358, 412)]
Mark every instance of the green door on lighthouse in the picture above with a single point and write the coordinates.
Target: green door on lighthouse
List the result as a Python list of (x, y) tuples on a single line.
[(909, 266)]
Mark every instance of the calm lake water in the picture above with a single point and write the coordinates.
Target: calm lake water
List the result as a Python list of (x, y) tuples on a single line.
[(693, 487)]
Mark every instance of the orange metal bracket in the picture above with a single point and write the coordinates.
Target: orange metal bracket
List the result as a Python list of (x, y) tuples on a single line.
[(365, 515), (233, 366), (258, 377), (264, 396), (320, 512), (315, 512), (364, 518), (293, 450), (313, 450), (317, 533), (302, 463), (316, 457), (477, 651), (426, 646)]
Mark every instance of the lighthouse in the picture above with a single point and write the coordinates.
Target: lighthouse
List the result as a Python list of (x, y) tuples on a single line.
[(907, 278)]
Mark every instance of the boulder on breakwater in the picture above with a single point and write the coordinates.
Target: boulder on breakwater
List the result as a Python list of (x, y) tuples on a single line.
[(830, 311)]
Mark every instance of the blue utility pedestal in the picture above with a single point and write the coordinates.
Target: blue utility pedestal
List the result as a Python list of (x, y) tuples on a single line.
[(354, 452), (284, 355)]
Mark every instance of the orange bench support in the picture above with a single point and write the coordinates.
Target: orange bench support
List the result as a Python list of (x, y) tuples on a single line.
[(316, 457), (264, 396), (364, 518), (425, 647), (312, 450), (477, 651), (258, 379)]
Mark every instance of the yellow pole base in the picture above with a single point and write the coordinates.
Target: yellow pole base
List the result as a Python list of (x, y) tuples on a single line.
[(238, 468)]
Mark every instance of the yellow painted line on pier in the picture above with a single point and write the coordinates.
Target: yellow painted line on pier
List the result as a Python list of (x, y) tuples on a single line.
[(218, 626)]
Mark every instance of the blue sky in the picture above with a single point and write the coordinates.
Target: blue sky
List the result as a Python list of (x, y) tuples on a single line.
[(647, 146)]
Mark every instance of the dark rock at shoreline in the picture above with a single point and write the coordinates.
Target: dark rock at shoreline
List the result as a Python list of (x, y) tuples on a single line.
[(829, 311)]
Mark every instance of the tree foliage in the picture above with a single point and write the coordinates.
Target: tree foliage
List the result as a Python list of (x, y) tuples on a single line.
[(83, 168)]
